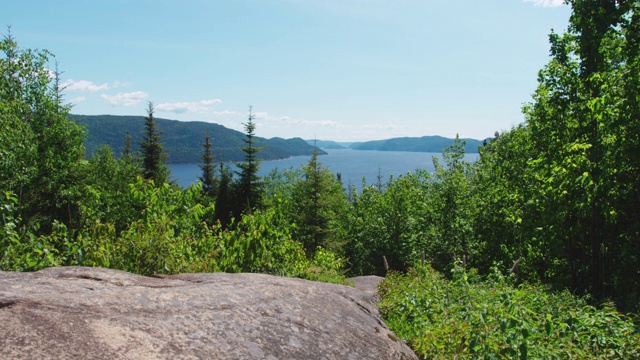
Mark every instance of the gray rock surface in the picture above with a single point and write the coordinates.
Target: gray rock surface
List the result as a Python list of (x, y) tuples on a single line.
[(94, 313), (368, 284)]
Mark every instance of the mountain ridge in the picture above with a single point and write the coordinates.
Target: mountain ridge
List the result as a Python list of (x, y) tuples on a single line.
[(183, 140), (429, 143)]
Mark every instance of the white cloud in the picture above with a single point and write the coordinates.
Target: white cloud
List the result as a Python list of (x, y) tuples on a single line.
[(83, 86), (211, 102), (125, 99), (546, 3), (77, 100), (188, 106), (286, 120)]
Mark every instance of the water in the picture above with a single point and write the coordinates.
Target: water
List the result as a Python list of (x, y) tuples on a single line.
[(352, 164)]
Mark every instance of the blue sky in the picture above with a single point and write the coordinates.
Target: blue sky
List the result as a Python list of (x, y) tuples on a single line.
[(345, 70)]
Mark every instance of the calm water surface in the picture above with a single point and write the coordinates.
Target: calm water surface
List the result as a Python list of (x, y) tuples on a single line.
[(352, 164)]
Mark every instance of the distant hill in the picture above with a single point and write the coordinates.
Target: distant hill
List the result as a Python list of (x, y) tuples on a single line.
[(183, 140), (416, 144)]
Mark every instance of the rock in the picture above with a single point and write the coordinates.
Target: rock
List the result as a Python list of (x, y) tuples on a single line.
[(95, 313), (368, 284)]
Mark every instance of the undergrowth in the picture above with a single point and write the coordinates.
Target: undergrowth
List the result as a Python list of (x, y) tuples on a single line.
[(466, 318)]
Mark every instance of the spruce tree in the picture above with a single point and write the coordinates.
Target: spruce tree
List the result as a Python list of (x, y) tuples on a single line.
[(223, 207), (153, 155), (208, 178), (319, 199), (127, 145), (249, 188)]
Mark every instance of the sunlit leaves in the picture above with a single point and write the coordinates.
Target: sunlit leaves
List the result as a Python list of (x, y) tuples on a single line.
[(466, 318), (582, 127)]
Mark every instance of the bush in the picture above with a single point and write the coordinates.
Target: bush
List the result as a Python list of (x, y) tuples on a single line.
[(467, 318), (326, 266)]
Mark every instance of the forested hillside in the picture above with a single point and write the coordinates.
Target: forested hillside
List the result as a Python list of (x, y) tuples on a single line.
[(434, 144), (182, 140), (532, 251), (416, 144)]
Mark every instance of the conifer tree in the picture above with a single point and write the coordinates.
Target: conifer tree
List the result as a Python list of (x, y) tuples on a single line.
[(223, 199), (249, 188), (153, 155), (127, 145), (208, 178), (319, 199)]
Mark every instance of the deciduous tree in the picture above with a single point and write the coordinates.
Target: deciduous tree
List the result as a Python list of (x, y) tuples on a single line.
[(582, 125), (41, 150)]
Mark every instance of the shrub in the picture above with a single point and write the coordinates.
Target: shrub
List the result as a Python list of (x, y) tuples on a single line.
[(468, 318), (326, 266)]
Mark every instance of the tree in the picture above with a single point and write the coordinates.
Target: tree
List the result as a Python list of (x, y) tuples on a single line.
[(583, 126), (153, 156), (208, 178), (224, 208), (127, 145), (319, 200), (504, 215), (41, 149), (106, 189), (249, 187), (452, 235), (395, 223)]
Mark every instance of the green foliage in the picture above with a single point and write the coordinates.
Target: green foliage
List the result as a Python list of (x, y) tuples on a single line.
[(393, 223), (326, 266), (318, 199), (106, 193), (17, 149), (451, 233), (21, 249), (153, 155), (28, 252), (582, 126), (170, 237), (154, 240), (40, 148), (505, 214), (248, 190), (414, 213), (210, 181), (466, 318), (258, 244), (167, 234), (224, 197)]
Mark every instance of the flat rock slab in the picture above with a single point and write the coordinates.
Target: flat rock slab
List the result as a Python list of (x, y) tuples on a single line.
[(95, 313)]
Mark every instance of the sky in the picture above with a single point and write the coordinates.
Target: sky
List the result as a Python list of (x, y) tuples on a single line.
[(343, 70)]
